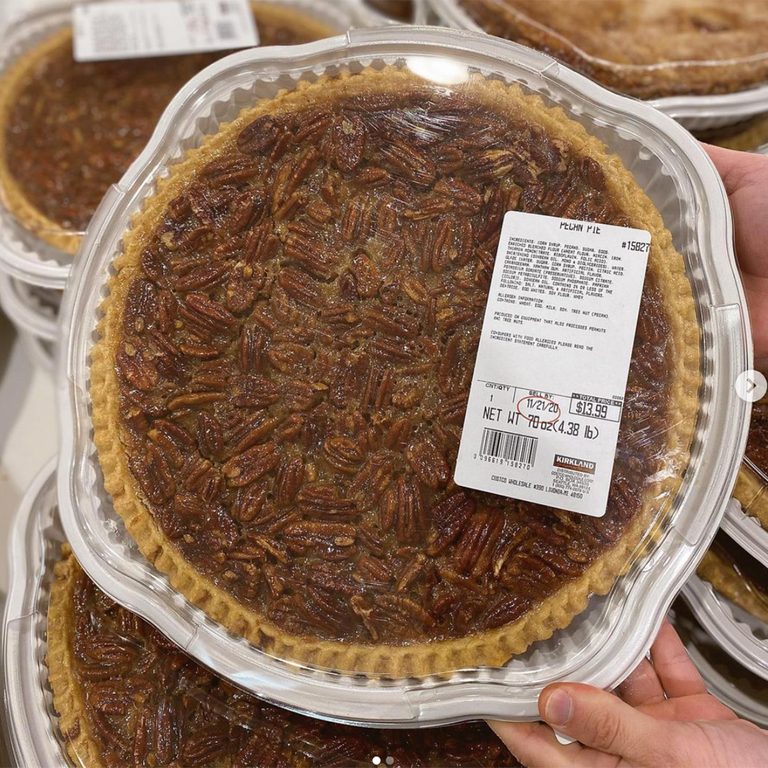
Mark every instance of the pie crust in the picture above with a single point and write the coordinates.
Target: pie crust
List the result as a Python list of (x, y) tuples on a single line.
[(493, 647), (256, 733), (735, 575), (745, 136), (68, 696), (750, 492), (752, 483), (647, 49), (14, 81)]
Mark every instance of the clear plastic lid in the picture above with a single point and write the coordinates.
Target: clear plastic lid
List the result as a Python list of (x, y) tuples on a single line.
[(258, 733), (605, 640), (738, 688), (729, 598), (747, 520), (704, 65), (29, 311), (42, 353), (33, 546), (60, 149), (748, 135)]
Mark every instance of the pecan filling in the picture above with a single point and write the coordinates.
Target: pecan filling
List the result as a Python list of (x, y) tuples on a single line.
[(296, 359), (76, 127), (146, 703), (757, 442)]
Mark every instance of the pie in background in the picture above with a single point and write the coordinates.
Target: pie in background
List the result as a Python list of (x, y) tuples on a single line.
[(69, 130), (644, 48), (735, 574), (126, 696)]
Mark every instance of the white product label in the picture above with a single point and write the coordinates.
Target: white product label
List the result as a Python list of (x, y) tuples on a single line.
[(551, 370), (129, 29)]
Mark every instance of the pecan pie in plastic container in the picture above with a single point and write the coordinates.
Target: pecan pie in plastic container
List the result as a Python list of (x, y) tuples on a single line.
[(69, 130), (749, 135), (703, 63), (729, 597), (89, 684), (738, 688), (746, 520), (270, 341)]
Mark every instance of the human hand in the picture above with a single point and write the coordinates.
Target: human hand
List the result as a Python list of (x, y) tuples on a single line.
[(662, 716), (746, 181)]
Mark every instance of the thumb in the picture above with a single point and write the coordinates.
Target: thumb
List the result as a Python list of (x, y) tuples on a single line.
[(604, 722)]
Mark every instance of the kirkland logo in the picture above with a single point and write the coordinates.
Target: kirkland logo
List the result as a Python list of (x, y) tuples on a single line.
[(577, 465)]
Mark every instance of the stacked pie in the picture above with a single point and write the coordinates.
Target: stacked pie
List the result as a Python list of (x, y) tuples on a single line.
[(126, 696), (284, 360), (645, 48), (69, 130), (751, 484), (737, 575), (746, 135)]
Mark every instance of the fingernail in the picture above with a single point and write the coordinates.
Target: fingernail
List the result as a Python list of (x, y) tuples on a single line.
[(558, 709)]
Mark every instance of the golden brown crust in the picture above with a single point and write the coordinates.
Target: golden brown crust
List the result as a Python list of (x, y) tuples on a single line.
[(728, 582), (751, 492), (13, 198), (746, 136), (491, 648), (648, 49), (68, 696), (29, 216)]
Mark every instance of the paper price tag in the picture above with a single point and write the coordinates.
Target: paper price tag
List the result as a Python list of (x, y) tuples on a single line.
[(550, 376), (127, 29)]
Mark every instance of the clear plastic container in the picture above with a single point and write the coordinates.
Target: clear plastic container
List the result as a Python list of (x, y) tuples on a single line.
[(34, 545), (41, 352), (30, 312), (32, 724), (737, 687), (603, 643), (740, 634), (34, 247), (696, 112), (748, 135), (746, 520)]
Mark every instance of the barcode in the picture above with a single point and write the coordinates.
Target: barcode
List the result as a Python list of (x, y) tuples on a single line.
[(226, 30), (509, 446)]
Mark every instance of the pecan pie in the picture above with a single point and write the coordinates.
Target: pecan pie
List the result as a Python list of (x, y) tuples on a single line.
[(746, 135), (128, 697), (735, 574), (69, 130), (284, 363), (645, 48), (751, 486), (737, 675)]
